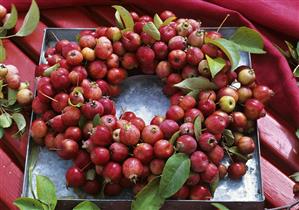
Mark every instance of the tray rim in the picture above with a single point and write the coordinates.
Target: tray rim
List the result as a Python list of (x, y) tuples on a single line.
[(30, 143)]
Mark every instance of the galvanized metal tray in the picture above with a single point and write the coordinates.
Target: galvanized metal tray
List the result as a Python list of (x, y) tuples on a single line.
[(143, 95)]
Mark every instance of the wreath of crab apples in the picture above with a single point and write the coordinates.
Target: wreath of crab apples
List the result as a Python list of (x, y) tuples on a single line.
[(76, 116)]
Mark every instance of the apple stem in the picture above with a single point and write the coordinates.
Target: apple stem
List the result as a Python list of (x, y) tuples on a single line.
[(219, 27), (48, 96)]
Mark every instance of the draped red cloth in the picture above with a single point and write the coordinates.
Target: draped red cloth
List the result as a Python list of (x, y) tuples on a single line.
[(276, 20)]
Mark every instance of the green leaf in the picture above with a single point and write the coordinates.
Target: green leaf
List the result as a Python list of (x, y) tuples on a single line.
[(297, 133), (152, 30), (215, 65), (20, 121), (168, 20), (196, 83), (295, 177), (32, 162), (229, 138), (229, 48), (248, 40), (197, 127), (296, 71), (28, 204), (46, 191), (5, 120), (219, 206), (157, 21), (2, 52), (82, 121), (174, 175), (86, 205), (12, 96), (49, 70), (125, 17), (12, 20), (119, 22), (148, 198), (3, 33), (1, 132), (284, 53), (234, 150), (194, 94), (31, 20), (297, 48), (174, 137), (96, 120), (214, 185), (292, 50)]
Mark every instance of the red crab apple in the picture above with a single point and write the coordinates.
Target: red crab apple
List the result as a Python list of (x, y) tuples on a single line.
[(262, 93), (129, 134), (254, 109), (103, 48), (163, 149), (132, 169), (101, 136), (169, 127), (186, 144), (151, 134), (207, 142), (100, 156), (244, 93), (144, 152), (236, 170), (215, 124), (199, 161), (200, 192), (118, 151), (75, 177), (156, 166), (246, 145), (196, 38), (69, 149), (131, 41), (112, 172)]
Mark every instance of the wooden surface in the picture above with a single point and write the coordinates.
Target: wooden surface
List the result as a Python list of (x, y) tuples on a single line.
[(279, 145)]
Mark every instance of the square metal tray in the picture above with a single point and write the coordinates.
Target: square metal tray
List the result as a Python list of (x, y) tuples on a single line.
[(143, 95)]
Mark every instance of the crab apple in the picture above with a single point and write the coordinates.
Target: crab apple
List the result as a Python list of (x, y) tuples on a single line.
[(75, 177), (196, 38), (177, 43), (91, 108), (210, 50), (50, 51), (68, 47), (138, 26), (236, 170), (194, 23), (199, 161), (109, 121), (216, 155), (163, 149), (71, 116), (105, 88), (45, 92), (135, 16), (144, 152), (163, 69), (147, 39), (24, 96), (157, 166), (138, 187), (160, 49), (60, 44), (221, 80), (206, 106), (121, 123), (59, 79), (227, 103), (92, 91), (239, 120), (59, 138), (207, 142), (112, 172), (129, 134), (101, 136), (47, 115), (118, 151), (191, 114), (187, 128), (203, 69), (103, 48), (145, 55), (132, 169), (228, 91), (75, 77), (87, 41), (87, 129), (39, 129), (73, 133), (100, 156), (82, 73), (69, 149), (167, 32), (82, 160), (246, 76), (174, 78), (194, 55), (200, 192), (184, 29), (148, 68), (254, 109), (146, 18), (92, 187), (57, 124), (113, 61), (116, 75), (176, 98), (76, 98), (97, 69), (39, 70), (186, 144), (13, 80), (262, 93), (138, 122), (151, 134), (157, 120), (175, 113), (118, 48), (3, 13), (49, 140), (189, 72), (215, 124), (100, 31), (169, 90), (114, 90), (169, 127), (88, 54), (39, 107), (244, 93), (210, 174), (113, 33), (128, 115), (112, 189), (54, 59), (108, 105), (131, 41), (129, 61), (193, 179), (187, 102), (182, 194), (228, 118), (166, 14), (246, 145)]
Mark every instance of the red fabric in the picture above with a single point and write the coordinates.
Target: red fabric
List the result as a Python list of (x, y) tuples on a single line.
[(272, 69)]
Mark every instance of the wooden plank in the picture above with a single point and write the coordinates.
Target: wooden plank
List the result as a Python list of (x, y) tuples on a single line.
[(68, 18), (279, 143), (30, 44), (278, 188), (11, 181)]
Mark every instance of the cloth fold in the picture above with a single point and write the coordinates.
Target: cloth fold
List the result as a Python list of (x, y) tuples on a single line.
[(280, 16)]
